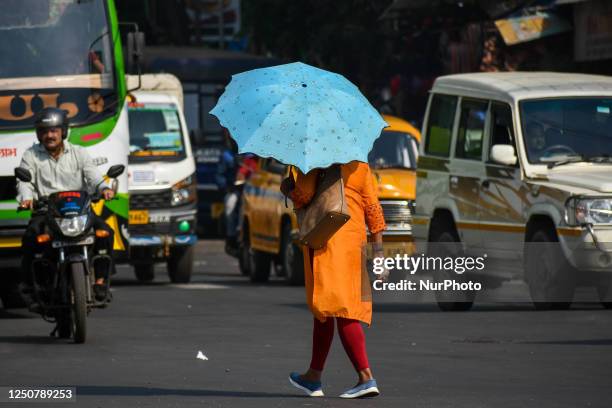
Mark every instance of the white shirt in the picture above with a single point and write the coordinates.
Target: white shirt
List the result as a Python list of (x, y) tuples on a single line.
[(72, 170)]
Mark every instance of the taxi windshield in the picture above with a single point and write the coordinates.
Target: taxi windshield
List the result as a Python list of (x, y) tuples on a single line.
[(567, 129), (393, 150), (155, 132)]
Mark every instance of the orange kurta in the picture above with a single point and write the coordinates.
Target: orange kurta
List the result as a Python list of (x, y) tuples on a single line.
[(335, 285)]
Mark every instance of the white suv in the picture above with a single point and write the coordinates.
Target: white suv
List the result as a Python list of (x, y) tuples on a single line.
[(518, 166)]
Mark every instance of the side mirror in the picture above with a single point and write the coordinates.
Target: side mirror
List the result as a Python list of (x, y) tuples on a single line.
[(503, 154), (23, 174), (115, 171), (135, 51)]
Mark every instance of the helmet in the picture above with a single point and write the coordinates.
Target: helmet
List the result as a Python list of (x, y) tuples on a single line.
[(52, 117)]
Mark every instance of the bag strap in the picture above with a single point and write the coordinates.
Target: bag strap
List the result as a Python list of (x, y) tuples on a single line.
[(290, 175)]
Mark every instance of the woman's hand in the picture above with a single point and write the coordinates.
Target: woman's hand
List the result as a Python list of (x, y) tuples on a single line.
[(377, 246), (384, 275)]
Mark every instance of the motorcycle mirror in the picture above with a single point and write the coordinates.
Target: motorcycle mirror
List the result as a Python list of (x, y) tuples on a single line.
[(23, 174), (115, 171)]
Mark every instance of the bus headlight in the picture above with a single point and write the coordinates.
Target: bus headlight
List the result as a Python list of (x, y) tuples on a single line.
[(184, 192)]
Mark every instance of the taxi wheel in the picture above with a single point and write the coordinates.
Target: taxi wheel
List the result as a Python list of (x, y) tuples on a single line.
[(292, 261), (446, 242), (243, 252), (259, 265), (549, 276), (144, 272)]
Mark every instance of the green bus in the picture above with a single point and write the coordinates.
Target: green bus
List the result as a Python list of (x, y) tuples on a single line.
[(66, 54)]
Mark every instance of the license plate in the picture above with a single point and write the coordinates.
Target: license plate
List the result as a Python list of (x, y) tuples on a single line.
[(216, 210), (159, 218), (138, 217)]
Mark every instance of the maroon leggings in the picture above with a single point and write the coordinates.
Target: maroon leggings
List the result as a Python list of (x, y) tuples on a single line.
[(353, 340)]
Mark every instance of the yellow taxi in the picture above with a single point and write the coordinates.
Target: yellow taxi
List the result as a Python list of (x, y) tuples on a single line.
[(393, 161), (269, 225)]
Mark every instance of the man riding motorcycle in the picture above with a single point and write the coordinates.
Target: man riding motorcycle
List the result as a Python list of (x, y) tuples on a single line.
[(57, 165)]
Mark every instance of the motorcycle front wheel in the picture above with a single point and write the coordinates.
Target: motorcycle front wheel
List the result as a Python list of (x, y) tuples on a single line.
[(78, 302)]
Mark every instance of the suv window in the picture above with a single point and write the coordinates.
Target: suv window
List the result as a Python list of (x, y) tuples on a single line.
[(440, 125), (471, 129), (502, 130)]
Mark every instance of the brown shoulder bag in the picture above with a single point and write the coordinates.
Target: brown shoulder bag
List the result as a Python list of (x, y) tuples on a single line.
[(326, 213)]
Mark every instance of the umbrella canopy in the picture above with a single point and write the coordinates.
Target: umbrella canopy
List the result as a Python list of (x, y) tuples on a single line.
[(299, 115)]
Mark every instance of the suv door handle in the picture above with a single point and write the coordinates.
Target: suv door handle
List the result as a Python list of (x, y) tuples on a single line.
[(485, 183)]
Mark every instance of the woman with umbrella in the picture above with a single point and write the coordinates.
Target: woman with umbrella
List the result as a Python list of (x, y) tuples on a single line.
[(336, 286), (312, 119)]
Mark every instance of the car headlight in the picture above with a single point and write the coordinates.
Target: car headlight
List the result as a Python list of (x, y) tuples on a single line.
[(184, 191), (590, 211), (72, 227)]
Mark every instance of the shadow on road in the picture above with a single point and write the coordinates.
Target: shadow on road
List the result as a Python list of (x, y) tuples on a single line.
[(31, 340), (433, 308), (588, 342), (10, 314), (152, 391)]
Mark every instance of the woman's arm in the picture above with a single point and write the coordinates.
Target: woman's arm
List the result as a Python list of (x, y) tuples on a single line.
[(373, 211)]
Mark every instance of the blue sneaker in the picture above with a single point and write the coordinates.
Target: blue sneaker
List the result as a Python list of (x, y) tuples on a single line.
[(367, 389), (311, 388)]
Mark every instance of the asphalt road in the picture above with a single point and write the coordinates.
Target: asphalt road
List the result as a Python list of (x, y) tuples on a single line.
[(141, 351)]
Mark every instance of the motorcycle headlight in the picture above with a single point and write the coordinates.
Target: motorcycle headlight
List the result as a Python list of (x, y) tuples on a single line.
[(72, 227), (184, 191), (590, 211)]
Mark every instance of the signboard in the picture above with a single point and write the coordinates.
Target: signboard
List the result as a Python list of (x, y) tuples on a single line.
[(528, 28)]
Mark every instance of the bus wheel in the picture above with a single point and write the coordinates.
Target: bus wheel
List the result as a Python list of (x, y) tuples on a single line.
[(144, 272), (180, 264)]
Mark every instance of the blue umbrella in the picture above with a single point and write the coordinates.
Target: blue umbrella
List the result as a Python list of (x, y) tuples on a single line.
[(299, 115)]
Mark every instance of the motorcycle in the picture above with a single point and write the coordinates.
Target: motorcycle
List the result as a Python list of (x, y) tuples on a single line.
[(63, 272)]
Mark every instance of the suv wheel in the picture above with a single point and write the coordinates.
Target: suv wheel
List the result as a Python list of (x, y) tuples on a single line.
[(259, 265), (549, 276), (604, 289), (292, 260), (447, 243)]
